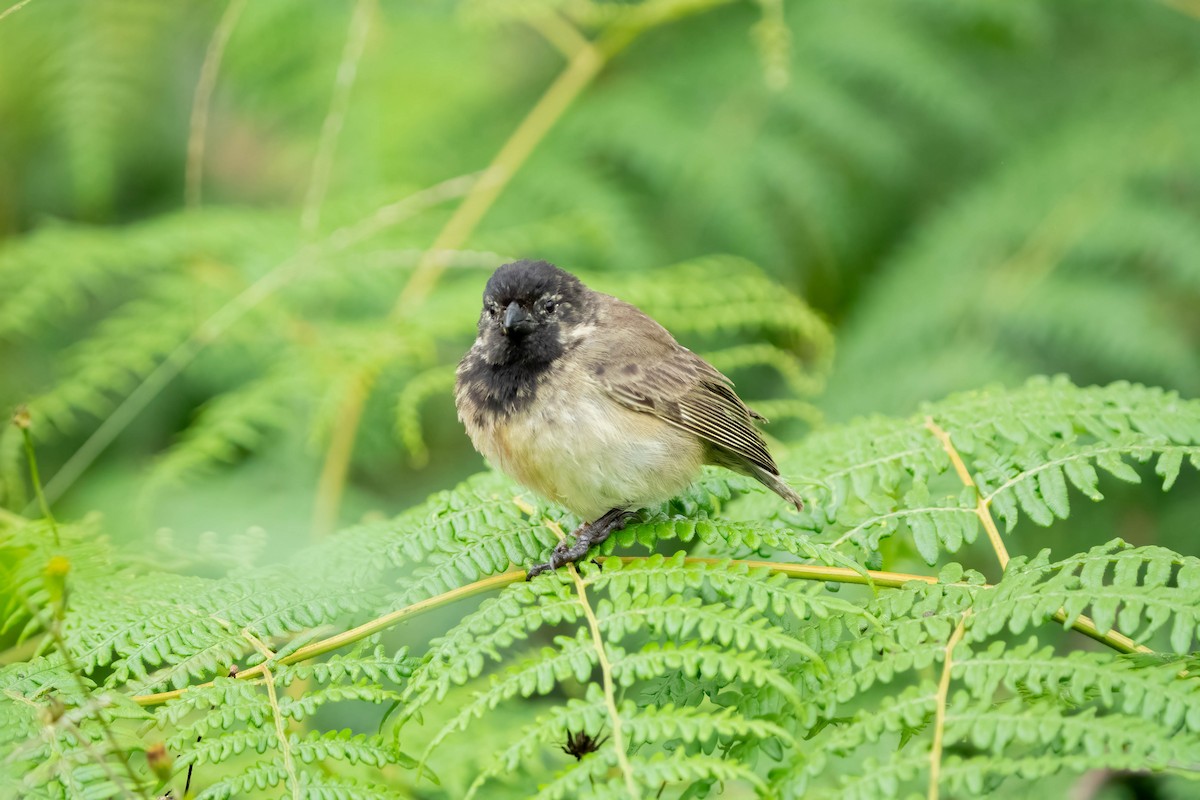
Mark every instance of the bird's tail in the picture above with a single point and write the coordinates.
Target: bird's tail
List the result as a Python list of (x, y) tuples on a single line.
[(776, 484)]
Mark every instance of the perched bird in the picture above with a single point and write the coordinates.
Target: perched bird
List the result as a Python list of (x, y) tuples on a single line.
[(593, 405)]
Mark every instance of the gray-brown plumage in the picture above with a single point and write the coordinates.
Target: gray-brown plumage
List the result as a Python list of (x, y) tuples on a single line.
[(592, 404)]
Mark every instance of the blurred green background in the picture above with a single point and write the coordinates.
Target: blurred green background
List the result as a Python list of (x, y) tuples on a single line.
[(965, 192)]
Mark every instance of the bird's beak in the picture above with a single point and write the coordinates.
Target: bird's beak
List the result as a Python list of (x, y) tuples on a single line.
[(516, 320)]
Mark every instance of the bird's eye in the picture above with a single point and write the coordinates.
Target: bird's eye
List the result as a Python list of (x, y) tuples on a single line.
[(548, 306)]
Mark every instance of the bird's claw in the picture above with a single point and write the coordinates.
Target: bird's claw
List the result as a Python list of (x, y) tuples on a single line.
[(556, 561), (538, 569), (586, 535)]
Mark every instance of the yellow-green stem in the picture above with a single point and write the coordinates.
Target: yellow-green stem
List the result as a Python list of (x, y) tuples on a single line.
[(291, 781), (943, 694), (14, 8), (202, 101), (31, 456), (1083, 624)]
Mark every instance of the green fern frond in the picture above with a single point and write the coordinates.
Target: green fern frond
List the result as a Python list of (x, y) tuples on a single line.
[(654, 771), (269, 774), (60, 271), (203, 638), (876, 477), (1045, 246), (1139, 590), (704, 656), (408, 409), (233, 423), (719, 302), (1155, 690)]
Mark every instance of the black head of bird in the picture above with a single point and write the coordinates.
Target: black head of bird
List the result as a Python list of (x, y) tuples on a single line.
[(528, 310)]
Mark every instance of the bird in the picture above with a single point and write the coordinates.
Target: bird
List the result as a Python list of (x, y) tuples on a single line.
[(591, 404)]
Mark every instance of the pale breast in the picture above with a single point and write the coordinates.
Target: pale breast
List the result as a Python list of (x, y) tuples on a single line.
[(585, 451)]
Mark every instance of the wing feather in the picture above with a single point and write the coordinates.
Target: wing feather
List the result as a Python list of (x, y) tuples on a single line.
[(653, 374)]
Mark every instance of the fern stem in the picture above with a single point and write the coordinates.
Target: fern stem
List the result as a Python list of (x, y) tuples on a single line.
[(14, 8), (939, 725), (1083, 624), (559, 32), (606, 674), (285, 747), (981, 505), (331, 484), (22, 422), (331, 128), (610, 694), (1189, 7), (1115, 640), (202, 101), (812, 572)]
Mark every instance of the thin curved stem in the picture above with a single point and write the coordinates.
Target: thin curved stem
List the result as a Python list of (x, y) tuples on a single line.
[(1083, 624), (332, 483), (14, 8), (331, 128), (1117, 641), (31, 457), (943, 693), (606, 672), (285, 748), (202, 101), (1189, 7), (981, 504)]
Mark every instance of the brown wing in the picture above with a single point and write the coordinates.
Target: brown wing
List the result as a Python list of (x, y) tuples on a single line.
[(645, 369)]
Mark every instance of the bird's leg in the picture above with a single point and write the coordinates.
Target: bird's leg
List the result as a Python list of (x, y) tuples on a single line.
[(580, 533), (586, 535)]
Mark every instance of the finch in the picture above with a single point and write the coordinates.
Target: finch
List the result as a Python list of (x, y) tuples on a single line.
[(590, 403)]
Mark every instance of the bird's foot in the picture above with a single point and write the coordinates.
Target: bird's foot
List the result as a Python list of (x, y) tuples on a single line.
[(562, 551), (586, 535)]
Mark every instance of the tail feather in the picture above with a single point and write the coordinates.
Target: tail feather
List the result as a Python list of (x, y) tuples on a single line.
[(777, 485), (738, 463)]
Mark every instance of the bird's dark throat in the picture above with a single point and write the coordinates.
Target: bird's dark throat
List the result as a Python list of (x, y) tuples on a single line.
[(507, 381)]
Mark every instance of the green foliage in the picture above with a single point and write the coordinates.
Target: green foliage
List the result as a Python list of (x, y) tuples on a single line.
[(232, 720), (970, 194), (686, 671), (1023, 453)]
